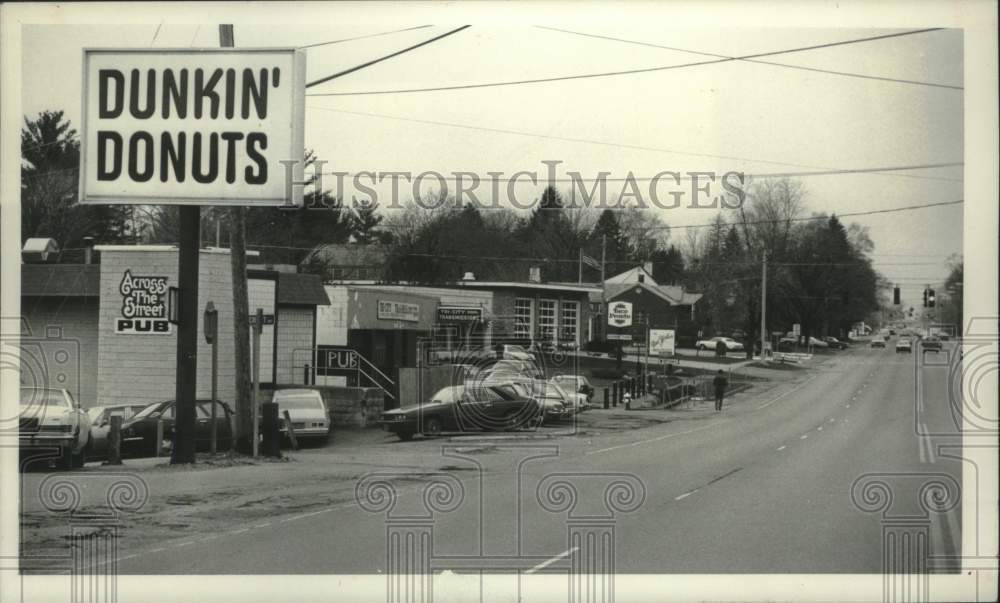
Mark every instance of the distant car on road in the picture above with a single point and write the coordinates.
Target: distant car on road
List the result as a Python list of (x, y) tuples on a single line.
[(139, 432), (50, 419), (100, 425), (878, 341), (310, 418), (728, 344), (464, 408), (931, 344), (818, 343), (903, 345)]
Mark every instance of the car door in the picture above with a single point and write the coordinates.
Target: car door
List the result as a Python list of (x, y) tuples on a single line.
[(202, 426)]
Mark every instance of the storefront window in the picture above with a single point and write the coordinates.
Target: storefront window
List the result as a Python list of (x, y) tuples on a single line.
[(570, 321), (547, 319), (522, 318)]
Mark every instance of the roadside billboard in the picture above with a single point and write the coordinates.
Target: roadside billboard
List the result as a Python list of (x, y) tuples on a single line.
[(662, 342), (192, 126)]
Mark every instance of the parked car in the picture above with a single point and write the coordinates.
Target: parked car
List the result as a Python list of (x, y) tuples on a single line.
[(511, 368), (51, 420), (878, 341), (931, 344), (835, 343), (818, 343), (139, 432), (575, 383), (310, 417), (464, 408), (554, 402), (728, 343), (100, 425), (903, 345), (943, 336)]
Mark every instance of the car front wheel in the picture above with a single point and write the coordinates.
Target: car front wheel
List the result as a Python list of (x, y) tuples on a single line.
[(432, 427)]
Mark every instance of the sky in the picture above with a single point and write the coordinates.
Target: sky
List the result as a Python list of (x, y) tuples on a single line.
[(734, 116)]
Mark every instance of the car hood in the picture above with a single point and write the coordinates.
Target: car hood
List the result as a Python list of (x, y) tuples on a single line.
[(411, 411)]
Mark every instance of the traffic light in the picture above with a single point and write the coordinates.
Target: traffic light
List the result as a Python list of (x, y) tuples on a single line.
[(895, 295), (930, 298)]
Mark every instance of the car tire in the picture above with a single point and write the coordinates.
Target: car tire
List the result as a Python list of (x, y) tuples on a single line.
[(432, 427)]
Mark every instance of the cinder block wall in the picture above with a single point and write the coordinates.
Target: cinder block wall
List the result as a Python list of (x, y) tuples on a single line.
[(42, 362), (141, 368)]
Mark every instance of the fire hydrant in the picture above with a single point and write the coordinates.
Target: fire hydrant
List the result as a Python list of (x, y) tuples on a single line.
[(627, 398)]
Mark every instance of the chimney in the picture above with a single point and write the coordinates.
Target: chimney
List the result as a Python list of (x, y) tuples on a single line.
[(535, 274)]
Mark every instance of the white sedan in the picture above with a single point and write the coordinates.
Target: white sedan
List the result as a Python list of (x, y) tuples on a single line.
[(307, 410), (51, 420), (730, 344)]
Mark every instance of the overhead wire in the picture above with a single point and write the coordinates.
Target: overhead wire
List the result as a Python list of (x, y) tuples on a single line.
[(635, 71), (772, 63)]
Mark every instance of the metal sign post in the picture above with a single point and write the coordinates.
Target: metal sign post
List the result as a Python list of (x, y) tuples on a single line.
[(258, 325), (212, 337)]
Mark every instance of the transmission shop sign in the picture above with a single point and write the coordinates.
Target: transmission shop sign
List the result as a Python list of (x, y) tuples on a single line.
[(208, 127), (620, 314), (144, 305)]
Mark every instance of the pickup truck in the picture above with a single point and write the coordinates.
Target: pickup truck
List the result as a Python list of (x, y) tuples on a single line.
[(931, 344)]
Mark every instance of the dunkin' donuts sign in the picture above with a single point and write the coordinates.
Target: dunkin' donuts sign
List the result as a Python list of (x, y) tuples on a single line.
[(144, 305)]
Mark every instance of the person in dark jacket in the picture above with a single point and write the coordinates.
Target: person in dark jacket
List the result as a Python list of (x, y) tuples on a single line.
[(719, 383)]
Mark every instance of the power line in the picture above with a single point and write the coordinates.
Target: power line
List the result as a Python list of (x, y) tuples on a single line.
[(323, 80), (627, 71), (384, 33), (799, 67), (825, 170)]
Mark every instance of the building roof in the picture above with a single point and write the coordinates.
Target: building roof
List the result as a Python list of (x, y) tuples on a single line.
[(60, 280), (631, 276), (566, 287), (675, 296), (301, 290)]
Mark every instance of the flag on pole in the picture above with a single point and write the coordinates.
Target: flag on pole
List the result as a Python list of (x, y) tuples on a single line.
[(586, 259)]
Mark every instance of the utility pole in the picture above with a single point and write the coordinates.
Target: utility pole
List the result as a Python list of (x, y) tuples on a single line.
[(604, 245), (763, 304), (579, 265), (241, 309)]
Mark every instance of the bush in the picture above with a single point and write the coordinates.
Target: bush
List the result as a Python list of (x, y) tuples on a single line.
[(609, 374)]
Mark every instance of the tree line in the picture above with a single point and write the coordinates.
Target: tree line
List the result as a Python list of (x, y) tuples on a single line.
[(820, 274)]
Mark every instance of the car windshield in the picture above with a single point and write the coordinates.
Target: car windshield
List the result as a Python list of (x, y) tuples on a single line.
[(554, 391), (298, 400), (447, 394), (44, 397), (145, 412)]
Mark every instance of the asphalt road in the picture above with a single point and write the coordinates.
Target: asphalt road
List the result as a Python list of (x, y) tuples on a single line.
[(763, 487)]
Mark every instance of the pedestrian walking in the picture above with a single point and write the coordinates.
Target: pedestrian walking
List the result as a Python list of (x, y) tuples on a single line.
[(720, 383)]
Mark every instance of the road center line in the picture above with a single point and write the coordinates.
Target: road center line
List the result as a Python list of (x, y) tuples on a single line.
[(780, 448), (545, 564), (804, 436), (794, 389), (686, 494)]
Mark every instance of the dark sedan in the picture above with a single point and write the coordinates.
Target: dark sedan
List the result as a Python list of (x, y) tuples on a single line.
[(461, 408), (931, 344), (139, 432)]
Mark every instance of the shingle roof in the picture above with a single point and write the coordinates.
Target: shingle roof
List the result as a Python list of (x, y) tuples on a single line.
[(301, 289), (60, 280), (675, 296)]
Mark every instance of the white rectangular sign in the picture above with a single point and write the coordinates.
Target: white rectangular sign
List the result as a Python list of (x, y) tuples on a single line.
[(196, 127), (620, 314), (662, 342)]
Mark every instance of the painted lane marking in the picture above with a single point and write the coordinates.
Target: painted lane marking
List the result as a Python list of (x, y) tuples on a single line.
[(780, 448), (656, 439), (831, 420), (686, 494), (558, 557), (803, 436), (819, 429)]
